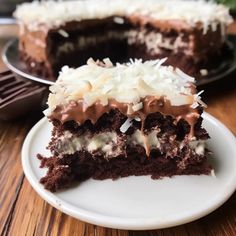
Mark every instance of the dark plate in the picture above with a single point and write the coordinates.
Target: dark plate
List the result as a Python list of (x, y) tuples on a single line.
[(226, 65)]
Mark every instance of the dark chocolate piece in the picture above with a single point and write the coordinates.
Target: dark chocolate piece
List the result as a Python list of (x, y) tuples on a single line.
[(18, 96)]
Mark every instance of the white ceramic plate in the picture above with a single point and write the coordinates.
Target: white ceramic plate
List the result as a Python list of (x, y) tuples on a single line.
[(140, 203)]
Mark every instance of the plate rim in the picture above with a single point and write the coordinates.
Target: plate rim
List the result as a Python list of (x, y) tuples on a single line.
[(113, 221), (203, 81)]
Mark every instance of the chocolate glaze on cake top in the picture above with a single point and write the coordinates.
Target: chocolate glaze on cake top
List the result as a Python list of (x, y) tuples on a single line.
[(136, 89), (185, 14)]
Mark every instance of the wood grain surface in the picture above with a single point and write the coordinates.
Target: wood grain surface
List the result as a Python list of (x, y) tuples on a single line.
[(23, 212)]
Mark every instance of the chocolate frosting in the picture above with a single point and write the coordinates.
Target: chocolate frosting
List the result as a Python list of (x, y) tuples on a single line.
[(78, 111)]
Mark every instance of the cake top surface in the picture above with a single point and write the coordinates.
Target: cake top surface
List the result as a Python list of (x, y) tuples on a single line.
[(53, 14), (125, 83)]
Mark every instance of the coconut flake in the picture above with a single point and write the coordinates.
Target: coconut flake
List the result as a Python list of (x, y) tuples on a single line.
[(184, 76), (197, 98), (204, 72), (108, 62), (194, 105), (119, 20), (159, 63), (65, 69), (91, 61), (126, 125), (63, 33), (137, 106), (202, 103), (137, 118), (199, 93)]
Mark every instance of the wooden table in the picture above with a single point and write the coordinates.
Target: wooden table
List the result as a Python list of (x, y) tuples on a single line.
[(23, 212)]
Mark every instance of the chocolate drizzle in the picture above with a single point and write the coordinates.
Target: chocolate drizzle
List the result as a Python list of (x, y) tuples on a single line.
[(78, 112)]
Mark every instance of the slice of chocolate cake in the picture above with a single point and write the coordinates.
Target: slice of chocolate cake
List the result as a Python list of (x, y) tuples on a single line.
[(52, 34), (129, 119)]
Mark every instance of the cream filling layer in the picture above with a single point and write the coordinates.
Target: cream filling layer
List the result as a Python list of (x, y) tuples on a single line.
[(103, 142), (108, 143)]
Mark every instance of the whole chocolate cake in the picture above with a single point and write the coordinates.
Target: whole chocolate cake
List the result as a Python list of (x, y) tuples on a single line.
[(52, 34), (129, 119)]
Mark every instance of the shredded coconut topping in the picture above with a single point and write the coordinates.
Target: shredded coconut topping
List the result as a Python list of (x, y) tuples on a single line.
[(54, 14), (63, 33), (126, 125), (126, 83)]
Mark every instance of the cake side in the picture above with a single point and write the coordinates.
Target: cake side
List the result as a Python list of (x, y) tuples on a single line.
[(33, 50), (131, 119)]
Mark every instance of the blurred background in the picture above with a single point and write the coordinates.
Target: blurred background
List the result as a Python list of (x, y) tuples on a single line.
[(6, 9)]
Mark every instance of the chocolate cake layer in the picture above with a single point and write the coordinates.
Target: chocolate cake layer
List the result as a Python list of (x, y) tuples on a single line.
[(83, 166), (173, 155), (122, 33)]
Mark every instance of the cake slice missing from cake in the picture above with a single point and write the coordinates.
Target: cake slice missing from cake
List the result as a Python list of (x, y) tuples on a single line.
[(128, 119)]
